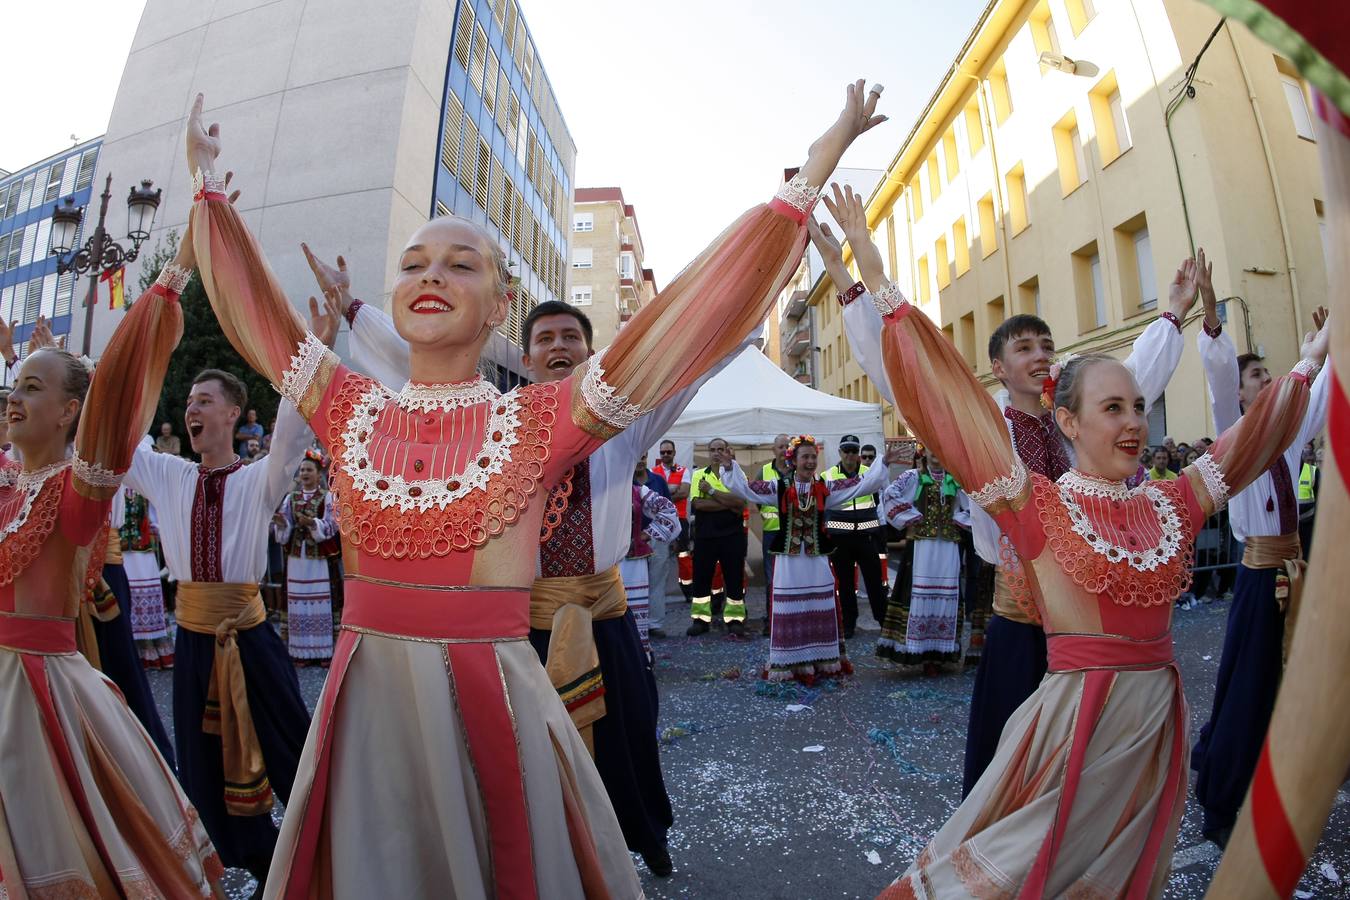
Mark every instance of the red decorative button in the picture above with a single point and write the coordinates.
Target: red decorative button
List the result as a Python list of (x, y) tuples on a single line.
[(418, 465), (382, 484)]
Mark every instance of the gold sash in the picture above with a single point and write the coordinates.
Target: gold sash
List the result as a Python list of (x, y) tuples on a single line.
[(1005, 604), (113, 555), (566, 607), (1284, 552), (224, 610)]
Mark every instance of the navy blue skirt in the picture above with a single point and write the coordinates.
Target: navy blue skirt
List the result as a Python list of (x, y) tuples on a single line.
[(279, 717), (120, 662), (627, 753), (1011, 668), (1250, 669)]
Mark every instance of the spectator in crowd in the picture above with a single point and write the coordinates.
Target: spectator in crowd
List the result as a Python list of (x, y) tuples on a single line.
[(1174, 458), (1192, 455), (267, 438), (868, 455), (246, 430), (719, 541), (773, 470), (1309, 480), (677, 479), (658, 564), (168, 442), (306, 525), (853, 527), (1160, 467), (253, 451)]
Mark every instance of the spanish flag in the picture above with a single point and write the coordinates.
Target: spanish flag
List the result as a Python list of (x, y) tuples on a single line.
[(116, 291), (1307, 747)]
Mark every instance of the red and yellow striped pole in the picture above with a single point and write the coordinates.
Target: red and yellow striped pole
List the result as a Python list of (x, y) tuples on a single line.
[(1307, 751)]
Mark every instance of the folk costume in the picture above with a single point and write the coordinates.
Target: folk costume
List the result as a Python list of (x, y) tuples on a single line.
[(923, 618), (654, 519), (309, 595), (88, 806), (1013, 656), (112, 617), (805, 631), (586, 536), (1088, 785), (239, 719), (675, 476), (444, 491), (139, 541), (1266, 590)]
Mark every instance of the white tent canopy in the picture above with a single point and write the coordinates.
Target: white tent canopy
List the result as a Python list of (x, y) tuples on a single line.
[(752, 401)]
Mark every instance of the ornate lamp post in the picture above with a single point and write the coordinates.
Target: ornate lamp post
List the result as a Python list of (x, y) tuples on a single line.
[(101, 253)]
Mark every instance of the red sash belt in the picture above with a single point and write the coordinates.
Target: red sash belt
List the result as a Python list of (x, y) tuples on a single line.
[(1082, 652), (420, 612), (48, 635)]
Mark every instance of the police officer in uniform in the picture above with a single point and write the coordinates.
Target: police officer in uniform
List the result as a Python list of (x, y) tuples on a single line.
[(853, 529), (775, 469)]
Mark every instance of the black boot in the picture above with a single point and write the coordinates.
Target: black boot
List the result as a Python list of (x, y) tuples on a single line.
[(658, 861)]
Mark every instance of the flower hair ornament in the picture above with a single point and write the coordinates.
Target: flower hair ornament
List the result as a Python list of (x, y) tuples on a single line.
[(1051, 382), (316, 457), (794, 443)]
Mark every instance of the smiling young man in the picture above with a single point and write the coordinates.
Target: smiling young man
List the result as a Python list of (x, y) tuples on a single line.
[(213, 525), (1021, 351), (586, 535)]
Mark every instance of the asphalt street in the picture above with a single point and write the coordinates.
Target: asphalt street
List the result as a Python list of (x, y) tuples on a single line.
[(832, 792)]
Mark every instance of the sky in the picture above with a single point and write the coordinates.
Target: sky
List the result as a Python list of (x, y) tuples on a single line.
[(692, 108)]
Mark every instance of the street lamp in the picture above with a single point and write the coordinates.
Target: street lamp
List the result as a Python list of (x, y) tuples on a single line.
[(101, 254)]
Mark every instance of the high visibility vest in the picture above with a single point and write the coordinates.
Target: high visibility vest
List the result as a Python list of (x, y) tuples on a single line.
[(866, 501), (674, 478), (769, 512), (1307, 477)]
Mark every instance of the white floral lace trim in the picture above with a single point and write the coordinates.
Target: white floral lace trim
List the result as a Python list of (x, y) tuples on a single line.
[(1307, 368), (30, 485), (1145, 560), (209, 183), (499, 436), (1007, 487), (94, 474), (601, 399), (889, 299), (1092, 486), (798, 194), (446, 397), (295, 381), (1215, 483), (174, 277)]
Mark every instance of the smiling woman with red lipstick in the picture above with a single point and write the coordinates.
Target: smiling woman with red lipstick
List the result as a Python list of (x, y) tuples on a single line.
[(1089, 781), (442, 489)]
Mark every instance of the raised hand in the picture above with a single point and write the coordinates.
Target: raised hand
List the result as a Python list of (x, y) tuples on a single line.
[(42, 337), (7, 340), (1183, 290), (1317, 343), (324, 322), (857, 117), (898, 453), (203, 141), (333, 282), (846, 205), (1204, 280)]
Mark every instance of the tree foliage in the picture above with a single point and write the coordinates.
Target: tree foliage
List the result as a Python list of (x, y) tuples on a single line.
[(203, 346)]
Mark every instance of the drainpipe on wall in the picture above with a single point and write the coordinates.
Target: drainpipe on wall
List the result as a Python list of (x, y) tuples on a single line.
[(1275, 188)]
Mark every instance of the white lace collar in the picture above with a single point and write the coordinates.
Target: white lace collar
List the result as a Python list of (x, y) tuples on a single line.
[(29, 485), (446, 397), (1092, 486)]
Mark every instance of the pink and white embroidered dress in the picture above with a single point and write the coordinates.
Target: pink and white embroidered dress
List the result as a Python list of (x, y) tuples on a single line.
[(1087, 788), (663, 524), (441, 760), (88, 807)]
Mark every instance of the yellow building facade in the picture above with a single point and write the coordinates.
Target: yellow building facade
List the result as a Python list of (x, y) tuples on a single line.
[(608, 282), (1073, 155)]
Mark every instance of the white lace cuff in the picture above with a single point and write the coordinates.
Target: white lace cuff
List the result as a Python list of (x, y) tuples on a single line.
[(207, 183), (1007, 487), (798, 194), (295, 381), (1212, 475), (95, 475), (889, 300), (602, 401), (174, 278), (1307, 368)]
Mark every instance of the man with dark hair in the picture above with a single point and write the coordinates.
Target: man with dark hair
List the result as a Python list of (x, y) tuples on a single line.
[(1264, 517), (853, 529), (719, 542), (677, 479), (586, 535), (214, 519), (1013, 660)]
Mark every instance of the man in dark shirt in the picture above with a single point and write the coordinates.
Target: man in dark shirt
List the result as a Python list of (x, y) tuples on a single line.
[(719, 538)]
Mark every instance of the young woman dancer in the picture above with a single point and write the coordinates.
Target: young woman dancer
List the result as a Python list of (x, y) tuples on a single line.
[(88, 807), (1087, 788), (441, 491)]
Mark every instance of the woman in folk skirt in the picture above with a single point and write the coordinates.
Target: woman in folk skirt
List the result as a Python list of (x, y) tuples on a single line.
[(306, 525)]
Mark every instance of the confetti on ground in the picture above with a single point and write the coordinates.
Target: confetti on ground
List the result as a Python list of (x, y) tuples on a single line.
[(813, 748), (1330, 874), (796, 707), (874, 857)]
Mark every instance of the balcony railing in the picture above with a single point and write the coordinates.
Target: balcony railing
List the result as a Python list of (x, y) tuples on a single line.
[(796, 305)]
